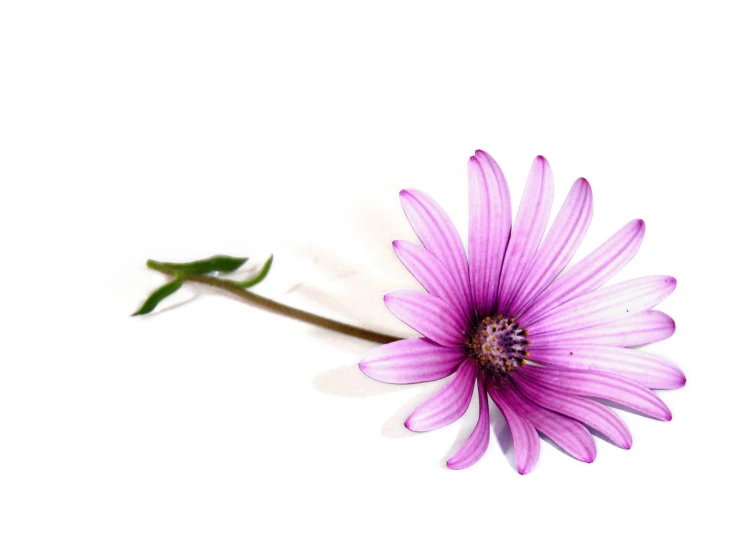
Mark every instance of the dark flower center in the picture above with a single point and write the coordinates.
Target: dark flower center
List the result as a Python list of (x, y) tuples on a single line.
[(498, 345)]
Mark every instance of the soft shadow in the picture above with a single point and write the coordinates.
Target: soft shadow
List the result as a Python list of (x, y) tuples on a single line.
[(350, 381), (505, 440), (616, 406), (544, 438), (503, 435), (599, 435), (547, 440), (465, 430), (394, 427)]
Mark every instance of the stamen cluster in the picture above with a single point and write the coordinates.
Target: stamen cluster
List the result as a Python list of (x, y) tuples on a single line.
[(498, 345)]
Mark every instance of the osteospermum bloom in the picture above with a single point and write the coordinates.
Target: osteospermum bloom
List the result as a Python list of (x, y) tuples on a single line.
[(541, 345)]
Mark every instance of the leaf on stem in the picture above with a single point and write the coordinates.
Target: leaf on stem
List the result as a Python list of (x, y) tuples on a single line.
[(214, 264), (157, 296), (259, 276)]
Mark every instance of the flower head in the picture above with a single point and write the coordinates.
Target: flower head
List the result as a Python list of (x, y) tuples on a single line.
[(541, 345)]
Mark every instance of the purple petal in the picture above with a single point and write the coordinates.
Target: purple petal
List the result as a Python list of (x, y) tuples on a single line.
[(569, 434), (647, 369), (430, 316), (532, 218), (604, 305), (411, 361), (635, 330), (605, 386), (448, 404), (490, 227), (477, 443), (432, 274), (526, 443), (558, 247), (437, 233), (586, 411), (590, 272)]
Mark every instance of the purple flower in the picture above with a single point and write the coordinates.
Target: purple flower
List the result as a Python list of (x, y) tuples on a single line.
[(541, 345)]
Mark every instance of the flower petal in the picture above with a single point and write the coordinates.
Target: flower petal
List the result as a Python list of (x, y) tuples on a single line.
[(532, 218), (432, 274), (590, 272), (569, 434), (604, 305), (489, 228), (477, 443), (558, 247), (635, 330), (448, 404), (584, 410), (642, 367), (605, 386), (411, 361), (526, 442), (437, 233), (430, 316)]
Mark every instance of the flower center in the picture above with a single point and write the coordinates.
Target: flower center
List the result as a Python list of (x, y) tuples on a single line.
[(498, 345)]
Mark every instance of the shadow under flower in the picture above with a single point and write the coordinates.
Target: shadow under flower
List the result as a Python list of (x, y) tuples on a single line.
[(394, 427), (502, 434), (499, 430), (465, 430), (616, 406)]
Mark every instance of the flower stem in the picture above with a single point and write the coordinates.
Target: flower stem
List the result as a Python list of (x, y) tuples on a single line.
[(271, 305)]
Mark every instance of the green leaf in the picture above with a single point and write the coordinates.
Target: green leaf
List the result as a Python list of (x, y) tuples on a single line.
[(220, 264), (157, 296), (259, 276)]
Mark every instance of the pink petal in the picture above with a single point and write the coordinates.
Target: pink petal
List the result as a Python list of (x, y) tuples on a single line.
[(489, 228), (532, 218), (604, 305), (411, 361), (437, 233), (598, 384), (477, 443), (635, 330), (569, 434), (586, 411), (430, 316), (558, 247), (590, 272), (432, 274), (448, 404), (526, 443), (647, 369)]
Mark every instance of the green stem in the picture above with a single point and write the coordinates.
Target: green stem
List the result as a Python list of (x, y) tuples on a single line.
[(272, 306)]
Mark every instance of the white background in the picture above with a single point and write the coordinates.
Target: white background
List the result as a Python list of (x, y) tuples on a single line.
[(135, 130)]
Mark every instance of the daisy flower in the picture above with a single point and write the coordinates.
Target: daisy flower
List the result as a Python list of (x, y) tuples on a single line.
[(542, 343)]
